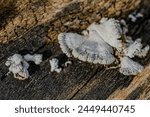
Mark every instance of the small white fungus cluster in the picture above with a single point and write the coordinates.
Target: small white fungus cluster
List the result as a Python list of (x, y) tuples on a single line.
[(98, 42), (55, 65), (134, 16), (18, 64), (36, 58)]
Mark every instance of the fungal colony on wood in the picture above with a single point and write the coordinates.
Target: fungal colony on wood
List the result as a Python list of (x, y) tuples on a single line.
[(105, 43), (19, 65), (54, 63)]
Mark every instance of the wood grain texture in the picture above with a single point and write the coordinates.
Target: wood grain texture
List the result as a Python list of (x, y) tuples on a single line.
[(80, 80), (137, 84), (23, 15)]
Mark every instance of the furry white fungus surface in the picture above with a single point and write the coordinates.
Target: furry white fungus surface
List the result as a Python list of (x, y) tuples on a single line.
[(18, 65), (55, 65), (100, 41)]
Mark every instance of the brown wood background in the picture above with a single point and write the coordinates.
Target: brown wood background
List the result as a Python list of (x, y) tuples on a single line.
[(80, 80)]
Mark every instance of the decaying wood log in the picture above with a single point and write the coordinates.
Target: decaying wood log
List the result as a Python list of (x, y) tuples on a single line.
[(58, 15), (31, 23), (138, 83)]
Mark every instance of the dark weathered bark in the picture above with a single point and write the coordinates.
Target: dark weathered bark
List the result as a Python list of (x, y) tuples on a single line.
[(32, 23)]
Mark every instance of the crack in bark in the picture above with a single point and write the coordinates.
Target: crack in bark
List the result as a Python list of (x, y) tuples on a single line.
[(85, 84)]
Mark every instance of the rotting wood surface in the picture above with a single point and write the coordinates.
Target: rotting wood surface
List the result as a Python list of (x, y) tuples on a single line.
[(58, 15), (80, 80)]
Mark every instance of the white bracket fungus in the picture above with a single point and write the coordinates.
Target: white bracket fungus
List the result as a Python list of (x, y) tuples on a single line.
[(97, 45), (135, 48), (129, 67), (109, 30), (90, 48), (18, 65), (55, 65)]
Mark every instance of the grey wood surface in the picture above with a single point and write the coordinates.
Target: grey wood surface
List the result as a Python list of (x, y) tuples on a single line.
[(80, 80)]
